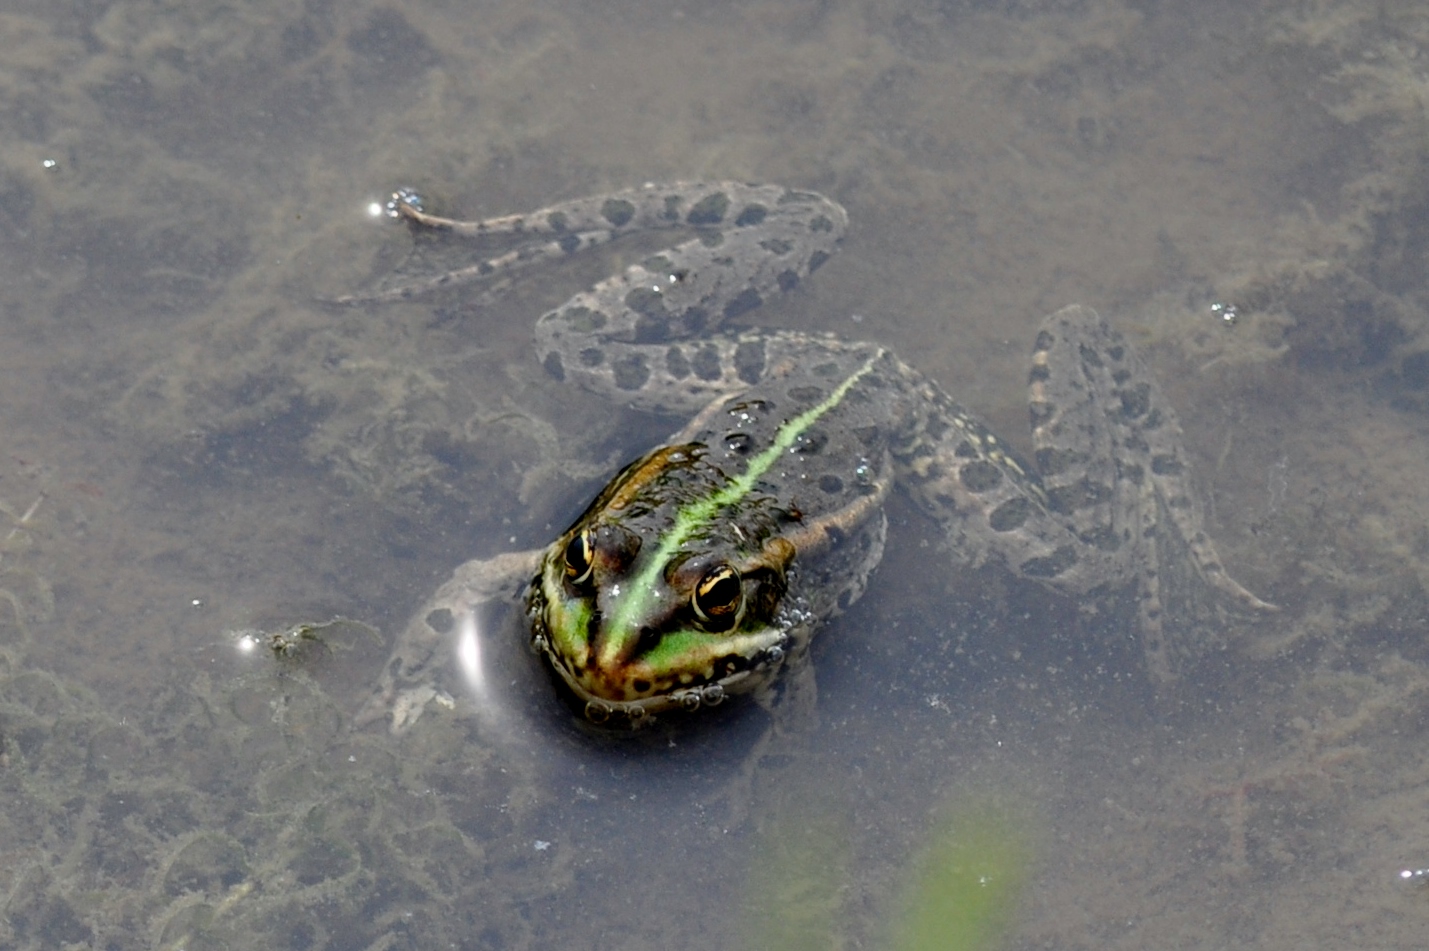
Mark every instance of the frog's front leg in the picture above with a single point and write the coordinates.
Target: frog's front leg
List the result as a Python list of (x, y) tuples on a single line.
[(408, 681)]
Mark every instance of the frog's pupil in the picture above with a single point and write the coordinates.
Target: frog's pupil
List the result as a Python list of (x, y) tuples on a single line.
[(717, 597), (578, 559)]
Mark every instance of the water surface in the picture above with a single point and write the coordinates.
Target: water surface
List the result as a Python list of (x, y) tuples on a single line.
[(194, 446)]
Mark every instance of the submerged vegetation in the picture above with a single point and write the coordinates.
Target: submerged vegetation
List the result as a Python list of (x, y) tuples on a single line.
[(958, 894)]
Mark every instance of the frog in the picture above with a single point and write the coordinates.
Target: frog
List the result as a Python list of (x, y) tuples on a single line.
[(703, 569)]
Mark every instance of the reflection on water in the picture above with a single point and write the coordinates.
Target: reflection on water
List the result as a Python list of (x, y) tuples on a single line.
[(195, 444)]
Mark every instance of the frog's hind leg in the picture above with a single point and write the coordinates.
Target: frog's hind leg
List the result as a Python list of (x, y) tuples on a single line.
[(1109, 451), (564, 229), (1138, 440)]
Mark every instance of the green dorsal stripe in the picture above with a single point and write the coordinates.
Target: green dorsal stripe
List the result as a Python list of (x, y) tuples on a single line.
[(696, 515)]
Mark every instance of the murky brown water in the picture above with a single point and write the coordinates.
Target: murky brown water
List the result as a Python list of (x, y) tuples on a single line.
[(192, 444)]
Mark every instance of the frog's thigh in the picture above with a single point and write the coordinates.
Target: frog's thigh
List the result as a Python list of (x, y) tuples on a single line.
[(990, 505)]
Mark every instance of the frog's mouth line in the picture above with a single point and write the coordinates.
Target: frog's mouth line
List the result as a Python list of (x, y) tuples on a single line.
[(633, 713)]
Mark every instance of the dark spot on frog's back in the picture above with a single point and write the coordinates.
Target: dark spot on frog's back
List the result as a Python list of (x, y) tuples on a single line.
[(675, 363), (739, 444), (980, 476), (646, 300), (806, 395), (751, 215), (706, 363), (1090, 356), (631, 373), (1136, 402), (743, 302), (831, 484), (810, 442), (749, 360), (617, 211), (709, 210), (1053, 461), (1010, 515)]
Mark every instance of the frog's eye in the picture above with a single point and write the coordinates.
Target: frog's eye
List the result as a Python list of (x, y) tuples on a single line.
[(718, 598), (580, 557)]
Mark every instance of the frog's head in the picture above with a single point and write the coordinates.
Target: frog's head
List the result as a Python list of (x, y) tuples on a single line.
[(639, 615)]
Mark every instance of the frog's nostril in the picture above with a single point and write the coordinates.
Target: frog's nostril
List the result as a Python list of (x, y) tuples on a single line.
[(648, 640)]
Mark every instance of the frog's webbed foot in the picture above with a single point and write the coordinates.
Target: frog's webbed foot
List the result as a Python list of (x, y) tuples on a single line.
[(408, 681), (1186, 600)]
